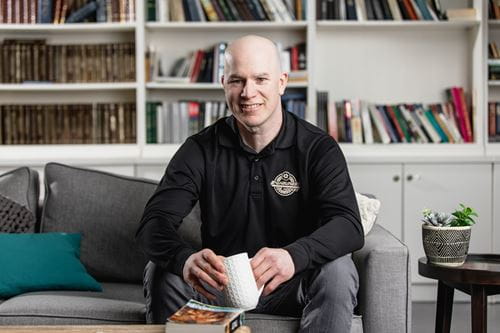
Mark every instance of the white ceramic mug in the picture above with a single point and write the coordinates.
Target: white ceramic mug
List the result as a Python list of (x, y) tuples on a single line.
[(241, 291)]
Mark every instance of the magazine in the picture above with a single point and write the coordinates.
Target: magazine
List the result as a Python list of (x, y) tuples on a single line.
[(199, 317)]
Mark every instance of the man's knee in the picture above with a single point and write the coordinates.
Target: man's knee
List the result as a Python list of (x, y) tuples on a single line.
[(338, 280)]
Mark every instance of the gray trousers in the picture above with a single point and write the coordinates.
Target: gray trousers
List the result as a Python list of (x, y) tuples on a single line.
[(324, 298)]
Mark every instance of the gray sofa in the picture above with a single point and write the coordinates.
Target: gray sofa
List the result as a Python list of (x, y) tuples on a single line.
[(106, 210)]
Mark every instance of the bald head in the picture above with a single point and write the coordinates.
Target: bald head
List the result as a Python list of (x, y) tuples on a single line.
[(249, 47)]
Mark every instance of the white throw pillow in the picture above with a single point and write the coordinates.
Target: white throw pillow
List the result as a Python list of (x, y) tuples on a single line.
[(368, 209)]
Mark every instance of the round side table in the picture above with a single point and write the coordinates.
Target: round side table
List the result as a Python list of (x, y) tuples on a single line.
[(479, 277)]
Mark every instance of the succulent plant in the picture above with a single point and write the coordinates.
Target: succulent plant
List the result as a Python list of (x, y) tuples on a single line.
[(463, 217), (437, 219), (459, 218)]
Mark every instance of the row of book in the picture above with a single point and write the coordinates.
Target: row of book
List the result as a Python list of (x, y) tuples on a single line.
[(35, 61), (356, 121), (226, 10), (493, 69), (66, 11), (97, 123), (295, 102), (494, 121), (493, 51), (174, 122), (380, 10), (199, 66), (493, 10), (208, 65)]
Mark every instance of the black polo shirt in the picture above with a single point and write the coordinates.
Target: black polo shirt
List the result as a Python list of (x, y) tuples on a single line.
[(295, 194)]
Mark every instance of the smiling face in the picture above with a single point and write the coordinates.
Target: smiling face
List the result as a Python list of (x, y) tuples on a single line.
[(253, 83)]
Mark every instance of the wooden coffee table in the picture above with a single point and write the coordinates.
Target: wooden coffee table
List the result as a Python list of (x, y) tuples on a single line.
[(94, 329), (479, 277)]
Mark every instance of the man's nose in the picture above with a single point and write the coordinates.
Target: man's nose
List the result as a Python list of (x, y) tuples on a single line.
[(248, 90)]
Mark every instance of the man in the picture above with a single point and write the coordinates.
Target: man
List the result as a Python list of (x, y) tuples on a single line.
[(269, 184)]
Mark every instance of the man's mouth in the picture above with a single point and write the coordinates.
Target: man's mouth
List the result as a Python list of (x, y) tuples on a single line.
[(250, 106)]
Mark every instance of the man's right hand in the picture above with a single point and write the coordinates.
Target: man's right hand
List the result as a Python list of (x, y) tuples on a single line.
[(208, 267)]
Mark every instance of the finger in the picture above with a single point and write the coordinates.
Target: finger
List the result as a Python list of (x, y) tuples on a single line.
[(271, 286), (266, 277), (258, 258), (201, 275), (216, 261), (220, 278), (261, 269), (199, 288)]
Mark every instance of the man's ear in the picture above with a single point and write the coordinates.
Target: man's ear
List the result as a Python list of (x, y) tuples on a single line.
[(222, 79), (283, 82)]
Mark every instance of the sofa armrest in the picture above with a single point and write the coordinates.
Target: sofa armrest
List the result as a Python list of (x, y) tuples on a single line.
[(384, 298)]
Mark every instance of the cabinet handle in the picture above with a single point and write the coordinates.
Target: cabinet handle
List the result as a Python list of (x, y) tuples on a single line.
[(412, 177), (396, 178)]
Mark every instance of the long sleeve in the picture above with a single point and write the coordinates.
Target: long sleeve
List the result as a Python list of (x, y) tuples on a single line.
[(333, 196), (173, 199)]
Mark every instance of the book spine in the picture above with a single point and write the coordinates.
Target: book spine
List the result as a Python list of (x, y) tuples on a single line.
[(101, 11), (387, 124), (402, 124), (395, 124), (467, 115), (431, 131), (86, 11), (209, 10), (459, 112), (492, 130), (44, 11), (379, 124), (435, 125), (441, 120), (332, 120)]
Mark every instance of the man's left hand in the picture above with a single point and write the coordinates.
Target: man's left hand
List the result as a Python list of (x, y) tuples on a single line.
[(272, 267)]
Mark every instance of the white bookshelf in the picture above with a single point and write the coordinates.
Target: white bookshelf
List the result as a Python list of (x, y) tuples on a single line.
[(406, 25), (254, 25), (68, 86), (350, 59), (70, 27)]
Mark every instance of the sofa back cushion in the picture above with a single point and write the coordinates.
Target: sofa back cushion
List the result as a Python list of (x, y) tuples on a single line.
[(22, 186), (106, 209)]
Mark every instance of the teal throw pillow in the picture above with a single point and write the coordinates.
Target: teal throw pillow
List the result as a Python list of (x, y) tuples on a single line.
[(46, 261)]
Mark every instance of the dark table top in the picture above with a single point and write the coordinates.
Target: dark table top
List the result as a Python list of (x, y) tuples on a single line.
[(478, 269)]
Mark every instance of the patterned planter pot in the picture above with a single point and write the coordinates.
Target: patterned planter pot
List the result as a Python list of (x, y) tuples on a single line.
[(447, 246)]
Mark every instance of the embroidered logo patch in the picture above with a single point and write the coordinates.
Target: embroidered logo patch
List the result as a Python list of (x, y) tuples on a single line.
[(285, 184)]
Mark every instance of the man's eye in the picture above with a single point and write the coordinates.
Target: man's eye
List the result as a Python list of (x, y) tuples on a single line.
[(261, 79), (234, 81)]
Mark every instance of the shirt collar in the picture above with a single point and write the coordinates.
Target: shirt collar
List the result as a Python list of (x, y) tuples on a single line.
[(230, 137)]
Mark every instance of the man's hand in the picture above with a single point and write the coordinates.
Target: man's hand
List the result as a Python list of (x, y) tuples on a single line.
[(272, 267), (208, 267)]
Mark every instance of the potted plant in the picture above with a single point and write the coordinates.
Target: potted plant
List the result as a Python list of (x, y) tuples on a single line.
[(446, 236)]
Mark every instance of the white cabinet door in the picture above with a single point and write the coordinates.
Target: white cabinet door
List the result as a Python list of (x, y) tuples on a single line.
[(443, 187), (384, 181)]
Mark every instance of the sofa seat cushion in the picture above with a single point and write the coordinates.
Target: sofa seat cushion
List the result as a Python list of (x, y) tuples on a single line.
[(118, 303), (263, 323)]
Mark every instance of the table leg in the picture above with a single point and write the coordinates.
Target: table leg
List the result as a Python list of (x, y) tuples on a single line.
[(444, 308), (479, 309)]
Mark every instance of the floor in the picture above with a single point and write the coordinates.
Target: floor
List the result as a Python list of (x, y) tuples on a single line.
[(424, 315)]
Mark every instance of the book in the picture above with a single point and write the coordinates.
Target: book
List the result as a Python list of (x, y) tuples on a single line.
[(367, 124), (461, 13), (379, 124), (199, 317)]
